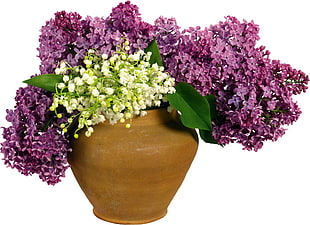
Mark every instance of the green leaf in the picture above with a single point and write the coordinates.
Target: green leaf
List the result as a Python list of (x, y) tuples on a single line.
[(155, 57), (206, 136), (46, 81), (212, 102), (194, 108)]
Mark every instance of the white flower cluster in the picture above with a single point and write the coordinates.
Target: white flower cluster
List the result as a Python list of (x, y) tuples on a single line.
[(114, 89)]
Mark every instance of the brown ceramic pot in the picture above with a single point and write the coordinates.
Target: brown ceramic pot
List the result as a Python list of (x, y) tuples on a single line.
[(131, 175)]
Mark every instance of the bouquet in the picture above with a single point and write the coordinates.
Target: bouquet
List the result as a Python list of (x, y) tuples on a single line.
[(112, 69)]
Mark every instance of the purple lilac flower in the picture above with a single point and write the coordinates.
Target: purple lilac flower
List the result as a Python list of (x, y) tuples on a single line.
[(30, 146), (168, 37), (58, 40), (124, 22), (254, 93), (125, 18)]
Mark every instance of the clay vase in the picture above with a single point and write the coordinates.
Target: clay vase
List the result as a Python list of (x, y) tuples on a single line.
[(130, 175)]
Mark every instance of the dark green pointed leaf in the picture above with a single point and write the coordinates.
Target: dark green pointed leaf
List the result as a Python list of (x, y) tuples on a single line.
[(212, 102), (206, 136), (46, 81), (155, 57), (194, 108)]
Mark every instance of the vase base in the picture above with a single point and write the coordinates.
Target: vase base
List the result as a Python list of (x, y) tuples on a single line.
[(120, 221)]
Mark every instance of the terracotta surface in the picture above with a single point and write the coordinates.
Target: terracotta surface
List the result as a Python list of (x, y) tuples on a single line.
[(131, 175)]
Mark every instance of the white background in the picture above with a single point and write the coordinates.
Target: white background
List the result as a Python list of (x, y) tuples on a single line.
[(224, 185)]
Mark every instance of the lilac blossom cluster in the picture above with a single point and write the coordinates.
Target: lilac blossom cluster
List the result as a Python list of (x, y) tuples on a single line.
[(254, 93), (33, 142)]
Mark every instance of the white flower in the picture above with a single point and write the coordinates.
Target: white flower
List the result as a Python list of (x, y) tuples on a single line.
[(65, 103), (101, 118), (117, 65), (124, 57), (171, 90), (71, 87), (113, 58), (91, 80), (155, 66), (95, 92), (96, 67), (63, 64), (87, 62), (104, 56), (106, 71), (81, 124), (99, 85), (80, 89), (109, 91), (87, 134), (89, 131), (78, 81), (148, 56), (157, 103), (134, 57), (61, 69), (98, 119), (61, 85), (80, 108), (66, 78), (115, 108), (143, 113), (141, 52), (58, 71), (85, 76), (82, 70), (101, 98), (128, 115), (124, 90), (73, 102)]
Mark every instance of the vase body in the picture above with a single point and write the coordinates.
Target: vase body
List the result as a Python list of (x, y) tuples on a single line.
[(130, 175)]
